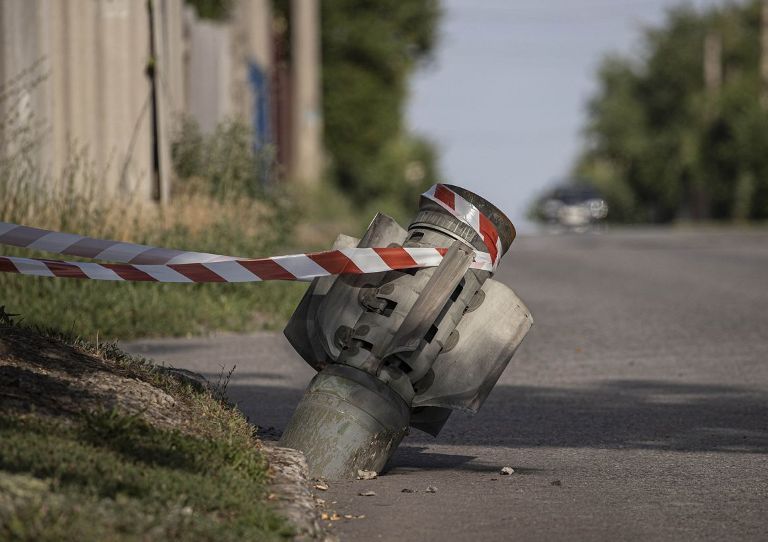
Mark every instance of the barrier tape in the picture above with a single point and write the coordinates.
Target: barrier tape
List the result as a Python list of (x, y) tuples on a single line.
[(152, 264), (99, 249), (469, 214)]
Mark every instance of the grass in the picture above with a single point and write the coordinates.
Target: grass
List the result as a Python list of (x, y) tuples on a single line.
[(116, 477), (241, 226), (130, 310), (105, 474)]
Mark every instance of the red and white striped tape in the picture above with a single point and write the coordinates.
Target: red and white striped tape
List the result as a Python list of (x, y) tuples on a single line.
[(99, 249), (469, 214), (152, 264), (292, 267)]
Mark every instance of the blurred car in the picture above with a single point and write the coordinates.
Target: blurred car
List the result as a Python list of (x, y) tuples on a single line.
[(573, 206)]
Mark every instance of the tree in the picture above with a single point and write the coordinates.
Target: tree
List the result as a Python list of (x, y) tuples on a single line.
[(663, 143), (369, 49)]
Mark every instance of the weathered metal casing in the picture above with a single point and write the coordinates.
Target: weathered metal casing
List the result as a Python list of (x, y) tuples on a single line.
[(436, 339), (347, 420), (488, 338)]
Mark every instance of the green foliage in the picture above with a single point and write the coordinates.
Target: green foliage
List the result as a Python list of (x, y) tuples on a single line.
[(223, 164), (114, 476), (369, 49), (217, 10), (106, 474), (661, 145)]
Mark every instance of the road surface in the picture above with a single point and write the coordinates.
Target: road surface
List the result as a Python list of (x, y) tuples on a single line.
[(636, 409)]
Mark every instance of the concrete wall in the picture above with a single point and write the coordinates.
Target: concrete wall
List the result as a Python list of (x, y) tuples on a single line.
[(100, 58), (306, 148), (252, 76), (209, 71), (228, 67), (96, 97), (170, 91)]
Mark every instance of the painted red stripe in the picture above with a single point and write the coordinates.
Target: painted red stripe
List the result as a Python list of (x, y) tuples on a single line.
[(490, 236), (65, 270), (197, 272), (396, 258), (445, 195), (6, 266), (129, 272), (335, 262), (266, 269)]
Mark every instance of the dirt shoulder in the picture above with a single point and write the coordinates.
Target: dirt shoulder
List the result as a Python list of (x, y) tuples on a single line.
[(98, 444)]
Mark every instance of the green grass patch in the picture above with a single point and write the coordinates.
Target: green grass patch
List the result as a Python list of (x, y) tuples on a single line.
[(115, 477), (241, 227), (108, 474), (130, 310)]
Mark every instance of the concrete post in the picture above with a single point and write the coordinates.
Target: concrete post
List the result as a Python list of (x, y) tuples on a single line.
[(168, 86), (713, 64), (764, 55), (252, 66), (306, 155)]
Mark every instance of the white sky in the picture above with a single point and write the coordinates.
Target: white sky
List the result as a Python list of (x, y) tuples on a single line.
[(505, 98)]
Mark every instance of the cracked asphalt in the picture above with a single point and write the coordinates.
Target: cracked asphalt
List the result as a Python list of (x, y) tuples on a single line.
[(636, 408)]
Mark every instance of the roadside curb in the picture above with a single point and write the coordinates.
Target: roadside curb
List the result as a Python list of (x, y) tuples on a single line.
[(290, 494)]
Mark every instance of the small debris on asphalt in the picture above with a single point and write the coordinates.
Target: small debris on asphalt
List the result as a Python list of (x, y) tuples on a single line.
[(556, 483), (322, 486), (494, 479), (271, 497), (332, 517), (367, 494), (320, 502), (431, 489), (507, 471), (348, 516), (406, 490), (367, 474)]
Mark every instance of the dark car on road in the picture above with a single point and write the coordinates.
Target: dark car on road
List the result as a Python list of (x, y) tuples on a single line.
[(573, 207)]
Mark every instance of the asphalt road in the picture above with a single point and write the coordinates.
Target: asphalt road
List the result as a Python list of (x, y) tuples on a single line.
[(636, 408)]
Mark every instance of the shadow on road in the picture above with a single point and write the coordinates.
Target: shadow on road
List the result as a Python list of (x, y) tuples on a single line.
[(620, 414), (617, 414), (409, 458)]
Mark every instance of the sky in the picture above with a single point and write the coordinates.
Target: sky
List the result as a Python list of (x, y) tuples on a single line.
[(505, 98)]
